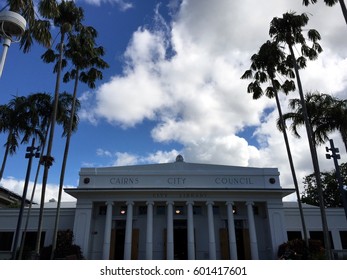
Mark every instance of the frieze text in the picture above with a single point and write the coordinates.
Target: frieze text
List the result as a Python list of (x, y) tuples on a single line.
[(124, 180), (234, 181)]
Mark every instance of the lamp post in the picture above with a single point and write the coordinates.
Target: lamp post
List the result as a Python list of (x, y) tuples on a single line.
[(31, 152), (335, 156), (12, 27)]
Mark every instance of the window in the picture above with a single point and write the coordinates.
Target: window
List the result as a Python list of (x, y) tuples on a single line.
[(294, 235), (102, 210), (216, 210), (318, 235), (343, 237), (30, 240), (142, 210), (197, 210), (6, 238)]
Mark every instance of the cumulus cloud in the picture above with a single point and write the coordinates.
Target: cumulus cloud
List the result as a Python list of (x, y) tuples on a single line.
[(16, 186), (127, 158), (122, 4), (187, 81)]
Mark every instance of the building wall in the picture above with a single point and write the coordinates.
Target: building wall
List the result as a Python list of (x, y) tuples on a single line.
[(9, 219)]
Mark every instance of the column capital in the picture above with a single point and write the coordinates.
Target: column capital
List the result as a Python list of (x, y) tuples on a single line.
[(249, 203), (190, 202), (170, 202), (150, 202), (130, 202), (209, 202), (230, 203), (109, 202)]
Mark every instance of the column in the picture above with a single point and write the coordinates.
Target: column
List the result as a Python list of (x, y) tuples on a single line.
[(128, 231), (252, 232), (149, 235), (211, 234), (107, 233), (169, 232), (190, 229), (231, 231)]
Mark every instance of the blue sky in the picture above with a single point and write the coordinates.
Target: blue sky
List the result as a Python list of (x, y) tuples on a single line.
[(174, 86)]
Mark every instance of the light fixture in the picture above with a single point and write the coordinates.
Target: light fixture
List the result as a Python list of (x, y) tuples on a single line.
[(12, 27)]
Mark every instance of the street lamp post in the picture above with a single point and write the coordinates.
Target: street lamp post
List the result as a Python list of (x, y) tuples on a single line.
[(335, 156), (31, 152), (12, 27)]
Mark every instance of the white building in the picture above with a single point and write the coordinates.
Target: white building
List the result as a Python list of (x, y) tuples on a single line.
[(181, 211)]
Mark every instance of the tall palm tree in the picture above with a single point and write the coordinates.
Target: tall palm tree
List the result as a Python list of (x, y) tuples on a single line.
[(12, 122), (330, 3), (42, 106), (265, 64), (326, 114), (69, 18), (86, 59), (288, 30)]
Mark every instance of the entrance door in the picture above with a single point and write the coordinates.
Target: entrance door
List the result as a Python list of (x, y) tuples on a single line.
[(117, 244), (243, 244), (224, 244), (180, 240)]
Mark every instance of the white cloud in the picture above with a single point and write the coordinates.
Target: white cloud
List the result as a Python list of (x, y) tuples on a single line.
[(17, 186), (196, 96), (123, 159), (122, 4)]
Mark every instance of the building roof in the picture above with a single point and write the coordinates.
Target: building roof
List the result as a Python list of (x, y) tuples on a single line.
[(8, 197)]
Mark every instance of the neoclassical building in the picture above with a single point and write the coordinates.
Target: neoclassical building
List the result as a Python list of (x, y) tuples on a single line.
[(178, 210)]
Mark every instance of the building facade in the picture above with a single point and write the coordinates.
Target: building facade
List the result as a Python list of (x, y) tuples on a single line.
[(178, 210)]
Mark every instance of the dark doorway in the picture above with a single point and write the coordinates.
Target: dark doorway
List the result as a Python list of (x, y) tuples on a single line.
[(119, 248), (180, 240), (242, 241)]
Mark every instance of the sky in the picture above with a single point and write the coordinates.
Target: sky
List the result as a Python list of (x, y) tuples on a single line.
[(173, 87)]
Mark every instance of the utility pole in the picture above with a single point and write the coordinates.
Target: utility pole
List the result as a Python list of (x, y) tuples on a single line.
[(335, 156)]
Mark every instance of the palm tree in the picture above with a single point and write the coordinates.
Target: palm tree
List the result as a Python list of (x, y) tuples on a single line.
[(70, 17), (265, 64), (87, 61), (326, 114), (12, 122), (41, 107), (288, 31), (330, 3)]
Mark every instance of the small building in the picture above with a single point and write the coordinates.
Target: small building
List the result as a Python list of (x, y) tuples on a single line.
[(180, 210)]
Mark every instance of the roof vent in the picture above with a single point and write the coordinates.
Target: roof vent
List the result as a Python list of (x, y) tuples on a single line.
[(179, 158)]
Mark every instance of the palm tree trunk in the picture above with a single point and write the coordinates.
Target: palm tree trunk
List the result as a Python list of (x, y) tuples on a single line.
[(291, 163), (62, 172), (314, 157), (47, 164), (32, 196), (343, 8), (4, 160), (21, 210), (344, 137)]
